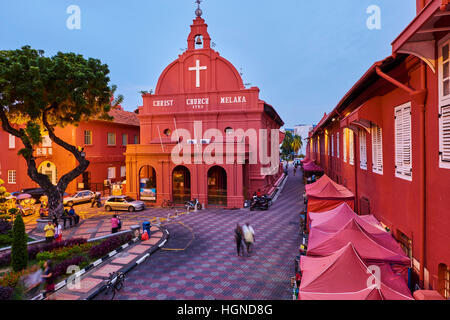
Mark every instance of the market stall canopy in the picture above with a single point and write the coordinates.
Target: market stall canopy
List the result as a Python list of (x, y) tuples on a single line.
[(319, 183), (312, 167), (306, 160), (335, 219), (380, 247), (24, 196), (344, 276)]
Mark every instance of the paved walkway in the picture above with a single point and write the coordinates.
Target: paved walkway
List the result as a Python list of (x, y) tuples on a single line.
[(200, 262), (93, 280)]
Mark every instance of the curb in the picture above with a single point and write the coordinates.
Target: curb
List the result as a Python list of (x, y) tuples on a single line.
[(63, 283), (154, 249)]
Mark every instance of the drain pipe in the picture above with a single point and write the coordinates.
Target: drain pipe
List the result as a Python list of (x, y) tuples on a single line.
[(419, 97)]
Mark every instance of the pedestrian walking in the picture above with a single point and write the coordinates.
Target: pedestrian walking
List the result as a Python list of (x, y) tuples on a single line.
[(239, 237), (249, 236), (114, 224), (47, 276), (49, 232)]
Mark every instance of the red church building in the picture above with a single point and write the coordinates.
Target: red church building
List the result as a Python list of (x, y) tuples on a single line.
[(201, 106), (388, 141)]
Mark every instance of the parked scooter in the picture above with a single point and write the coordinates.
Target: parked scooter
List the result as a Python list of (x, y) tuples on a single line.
[(191, 205), (260, 203)]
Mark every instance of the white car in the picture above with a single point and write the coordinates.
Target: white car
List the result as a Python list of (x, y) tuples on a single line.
[(123, 203), (79, 197)]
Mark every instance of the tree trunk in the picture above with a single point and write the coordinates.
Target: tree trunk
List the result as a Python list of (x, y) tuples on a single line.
[(55, 203)]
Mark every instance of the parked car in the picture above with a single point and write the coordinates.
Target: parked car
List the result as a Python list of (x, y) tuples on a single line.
[(79, 197), (35, 193), (123, 203)]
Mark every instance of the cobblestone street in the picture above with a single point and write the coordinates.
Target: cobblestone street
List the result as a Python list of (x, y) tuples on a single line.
[(208, 268)]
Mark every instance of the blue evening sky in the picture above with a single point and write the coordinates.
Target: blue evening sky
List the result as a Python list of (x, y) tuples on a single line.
[(303, 55)]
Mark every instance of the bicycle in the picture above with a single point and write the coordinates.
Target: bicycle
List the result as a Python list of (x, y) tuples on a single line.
[(115, 283), (168, 204)]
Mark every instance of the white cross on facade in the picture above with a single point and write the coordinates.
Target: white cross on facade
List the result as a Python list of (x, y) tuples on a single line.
[(197, 70)]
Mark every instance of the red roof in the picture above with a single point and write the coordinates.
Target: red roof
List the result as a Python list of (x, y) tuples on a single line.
[(325, 188), (344, 276), (124, 117), (312, 167), (380, 247)]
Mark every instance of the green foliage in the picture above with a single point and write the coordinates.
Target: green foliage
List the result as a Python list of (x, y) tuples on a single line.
[(19, 252), (3, 195), (64, 253), (291, 144)]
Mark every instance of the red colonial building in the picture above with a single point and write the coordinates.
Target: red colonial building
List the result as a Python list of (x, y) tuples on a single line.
[(201, 106), (104, 142), (388, 141)]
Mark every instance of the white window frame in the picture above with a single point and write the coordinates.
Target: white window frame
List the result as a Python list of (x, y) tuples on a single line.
[(362, 149), (444, 108), (12, 177), (332, 145), (403, 142), (12, 141), (111, 173), (377, 149), (351, 147), (337, 145), (344, 144), (88, 134), (123, 171), (46, 142), (124, 139), (112, 135)]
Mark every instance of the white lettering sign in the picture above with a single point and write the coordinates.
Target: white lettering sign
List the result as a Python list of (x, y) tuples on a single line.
[(163, 103), (232, 100), (197, 103)]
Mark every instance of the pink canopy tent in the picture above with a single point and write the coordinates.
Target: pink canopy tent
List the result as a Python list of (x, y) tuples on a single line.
[(306, 160), (335, 219), (344, 276), (312, 167), (379, 247)]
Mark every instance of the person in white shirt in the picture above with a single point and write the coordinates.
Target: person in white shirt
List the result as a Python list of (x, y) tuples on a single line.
[(58, 231), (249, 236)]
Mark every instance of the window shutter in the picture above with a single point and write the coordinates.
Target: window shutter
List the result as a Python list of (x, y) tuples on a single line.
[(407, 146), (445, 134), (377, 149), (337, 145), (399, 140), (345, 145), (363, 149), (351, 145)]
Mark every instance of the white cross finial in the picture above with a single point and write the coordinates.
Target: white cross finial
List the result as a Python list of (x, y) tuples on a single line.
[(197, 70)]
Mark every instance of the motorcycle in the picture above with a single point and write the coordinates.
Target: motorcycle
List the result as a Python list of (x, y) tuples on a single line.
[(259, 203), (191, 205)]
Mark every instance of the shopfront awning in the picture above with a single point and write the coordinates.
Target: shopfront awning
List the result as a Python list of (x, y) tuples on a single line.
[(419, 37)]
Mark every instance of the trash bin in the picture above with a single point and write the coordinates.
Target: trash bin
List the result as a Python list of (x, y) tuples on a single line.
[(146, 227)]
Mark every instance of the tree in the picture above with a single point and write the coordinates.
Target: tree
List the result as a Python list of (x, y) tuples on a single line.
[(297, 143), (38, 94), (19, 251), (3, 198)]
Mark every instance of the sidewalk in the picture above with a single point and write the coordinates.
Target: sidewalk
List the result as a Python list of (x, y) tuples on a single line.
[(93, 281)]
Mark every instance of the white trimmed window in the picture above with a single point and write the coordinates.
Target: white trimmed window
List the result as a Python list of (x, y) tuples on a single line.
[(444, 105), (12, 141), (88, 137), (351, 147), (377, 149), (332, 145), (329, 146), (112, 173), (123, 171), (345, 136), (403, 145), (124, 139), (362, 149), (337, 145), (12, 176), (111, 139), (46, 142)]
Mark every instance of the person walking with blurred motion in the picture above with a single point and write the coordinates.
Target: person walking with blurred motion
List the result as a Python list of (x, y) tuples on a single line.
[(249, 237), (58, 231), (114, 224), (47, 276), (49, 232), (238, 237)]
